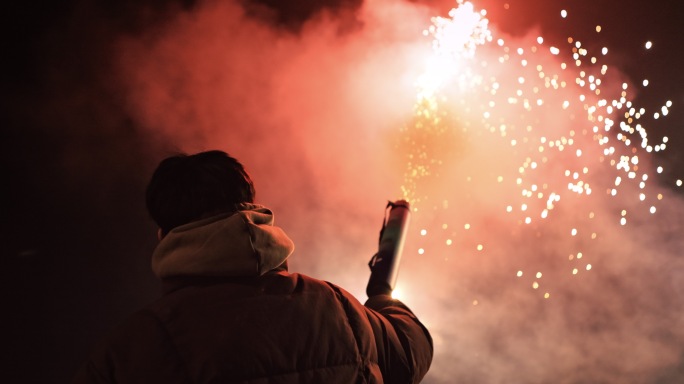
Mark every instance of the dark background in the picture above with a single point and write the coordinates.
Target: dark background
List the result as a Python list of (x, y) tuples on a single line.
[(76, 239)]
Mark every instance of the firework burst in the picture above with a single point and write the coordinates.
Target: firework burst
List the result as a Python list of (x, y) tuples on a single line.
[(549, 124)]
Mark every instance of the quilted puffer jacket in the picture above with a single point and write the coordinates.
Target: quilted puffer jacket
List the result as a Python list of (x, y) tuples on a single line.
[(231, 313)]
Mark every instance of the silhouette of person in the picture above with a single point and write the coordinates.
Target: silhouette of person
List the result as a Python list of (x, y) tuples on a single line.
[(230, 310)]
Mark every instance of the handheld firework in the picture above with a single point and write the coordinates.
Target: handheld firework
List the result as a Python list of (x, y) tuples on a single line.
[(384, 265)]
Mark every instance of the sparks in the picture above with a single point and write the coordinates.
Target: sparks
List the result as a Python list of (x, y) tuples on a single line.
[(499, 93)]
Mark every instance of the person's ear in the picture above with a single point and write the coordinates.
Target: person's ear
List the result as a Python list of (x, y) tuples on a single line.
[(160, 234)]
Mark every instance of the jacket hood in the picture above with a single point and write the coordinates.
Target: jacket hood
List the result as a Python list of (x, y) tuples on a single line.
[(243, 243)]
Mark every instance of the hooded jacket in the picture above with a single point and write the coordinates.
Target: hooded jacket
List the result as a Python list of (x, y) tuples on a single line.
[(231, 313)]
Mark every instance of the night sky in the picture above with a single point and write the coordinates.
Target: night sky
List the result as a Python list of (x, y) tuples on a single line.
[(95, 94)]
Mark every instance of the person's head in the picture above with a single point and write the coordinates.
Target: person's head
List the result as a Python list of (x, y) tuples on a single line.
[(185, 188)]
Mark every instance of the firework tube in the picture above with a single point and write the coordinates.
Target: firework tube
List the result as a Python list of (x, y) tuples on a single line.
[(384, 265)]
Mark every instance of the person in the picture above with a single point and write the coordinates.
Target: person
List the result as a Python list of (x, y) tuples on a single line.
[(230, 310)]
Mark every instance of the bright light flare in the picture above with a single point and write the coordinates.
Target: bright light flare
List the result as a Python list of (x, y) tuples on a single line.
[(455, 38)]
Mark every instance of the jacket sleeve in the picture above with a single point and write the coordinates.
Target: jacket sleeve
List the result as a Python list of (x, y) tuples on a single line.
[(404, 345)]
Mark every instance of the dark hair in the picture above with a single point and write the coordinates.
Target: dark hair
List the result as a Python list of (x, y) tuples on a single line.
[(186, 188)]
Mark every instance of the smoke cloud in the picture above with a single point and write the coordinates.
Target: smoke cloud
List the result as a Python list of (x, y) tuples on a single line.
[(311, 114)]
